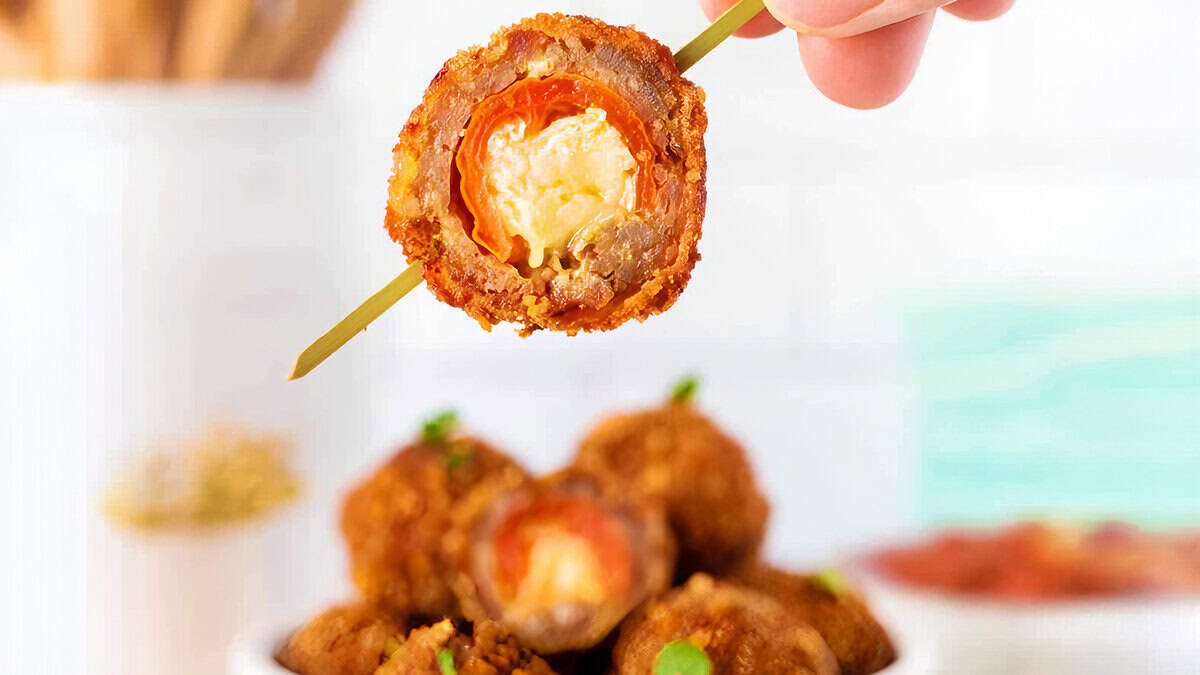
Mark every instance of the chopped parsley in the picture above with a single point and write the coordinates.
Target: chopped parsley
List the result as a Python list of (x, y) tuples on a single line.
[(682, 658), (684, 389), (438, 428)]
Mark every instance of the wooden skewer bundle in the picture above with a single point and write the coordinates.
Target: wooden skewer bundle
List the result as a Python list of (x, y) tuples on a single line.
[(188, 40)]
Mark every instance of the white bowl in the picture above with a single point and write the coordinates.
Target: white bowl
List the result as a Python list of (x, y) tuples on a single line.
[(255, 656), (989, 637)]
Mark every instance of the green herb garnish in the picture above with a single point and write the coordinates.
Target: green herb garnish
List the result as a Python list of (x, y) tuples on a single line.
[(458, 453), (684, 389), (682, 658), (831, 581), (438, 428), (446, 662)]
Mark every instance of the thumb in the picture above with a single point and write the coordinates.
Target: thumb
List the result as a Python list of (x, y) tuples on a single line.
[(843, 18)]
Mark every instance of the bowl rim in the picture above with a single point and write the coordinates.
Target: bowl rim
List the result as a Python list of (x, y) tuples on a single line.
[(254, 654), (862, 568)]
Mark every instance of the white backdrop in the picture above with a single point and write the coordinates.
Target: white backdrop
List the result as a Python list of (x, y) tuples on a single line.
[(1058, 147)]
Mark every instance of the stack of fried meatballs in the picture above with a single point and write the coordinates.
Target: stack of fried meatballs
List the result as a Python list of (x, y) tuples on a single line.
[(640, 558)]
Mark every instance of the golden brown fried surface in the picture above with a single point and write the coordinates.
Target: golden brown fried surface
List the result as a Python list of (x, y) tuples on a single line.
[(675, 455), (345, 640), (743, 632), (488, 651), (560, 561), (394, 521), (640, 266), (841, 617)]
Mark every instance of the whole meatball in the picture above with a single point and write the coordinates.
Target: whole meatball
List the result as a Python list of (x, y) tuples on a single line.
[(738, 630), (393, 522), (676, 456), (828, 604), (344, 640)]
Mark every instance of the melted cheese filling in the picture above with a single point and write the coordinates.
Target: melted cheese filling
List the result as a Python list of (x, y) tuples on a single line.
[(558, 187), (562, 569)]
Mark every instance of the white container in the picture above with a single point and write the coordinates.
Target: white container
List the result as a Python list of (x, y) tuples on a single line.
[(254, 656), (988, 637), (165, 254)]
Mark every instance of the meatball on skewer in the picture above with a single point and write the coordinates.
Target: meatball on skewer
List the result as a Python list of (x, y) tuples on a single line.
[(554, 178), (738, 631), (676, 456), (394, 521), (559, 562)]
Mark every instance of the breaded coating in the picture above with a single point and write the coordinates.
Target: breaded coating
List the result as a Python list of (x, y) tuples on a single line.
[(741, 631), (344, 640), (436, 649), (676, 456), (838, 613), (632, 266), (394, 521), (560, 561)]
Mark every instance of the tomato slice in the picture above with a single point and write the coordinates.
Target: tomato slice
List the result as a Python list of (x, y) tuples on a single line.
[(538, 101)]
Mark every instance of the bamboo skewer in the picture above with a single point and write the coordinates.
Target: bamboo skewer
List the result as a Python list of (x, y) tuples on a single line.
[(727, 24), (193, 40), (305, 53), (138, 37), (73, 39), (356, 321), (18, 59), (209, 33), (276, 23)]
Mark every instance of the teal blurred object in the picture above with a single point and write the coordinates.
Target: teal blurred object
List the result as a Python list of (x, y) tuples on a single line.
[(1079, 406)]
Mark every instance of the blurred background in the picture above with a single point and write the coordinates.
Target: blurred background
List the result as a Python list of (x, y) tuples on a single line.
[(978, 304)]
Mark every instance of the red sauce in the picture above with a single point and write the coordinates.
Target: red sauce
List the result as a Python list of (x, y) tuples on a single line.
[(1036, 561), (540, 101), (514, 538)]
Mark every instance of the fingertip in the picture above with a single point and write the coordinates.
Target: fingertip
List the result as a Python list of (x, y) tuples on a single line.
[(979, 10), (762, 25), (870, 70)]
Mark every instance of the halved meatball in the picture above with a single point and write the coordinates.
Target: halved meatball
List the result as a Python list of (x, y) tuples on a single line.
[(737, 630), (838, 613), (344, 640), (554, 178), (393, 522), (559, 562), (676, 456)]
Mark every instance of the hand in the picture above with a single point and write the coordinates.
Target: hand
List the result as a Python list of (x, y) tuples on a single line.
[(860, 53)]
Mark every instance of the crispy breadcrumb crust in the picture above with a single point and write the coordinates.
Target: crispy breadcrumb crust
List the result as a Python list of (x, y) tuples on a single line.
[(861, 644), (343, 640), (488, 650), (677, 456), (742, 631), (423, 214), (393, 522)]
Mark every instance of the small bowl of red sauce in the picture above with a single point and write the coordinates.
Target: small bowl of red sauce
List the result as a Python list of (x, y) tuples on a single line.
[(1038, 598)]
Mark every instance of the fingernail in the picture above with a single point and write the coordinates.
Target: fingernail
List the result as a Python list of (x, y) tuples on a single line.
[(819, 13)]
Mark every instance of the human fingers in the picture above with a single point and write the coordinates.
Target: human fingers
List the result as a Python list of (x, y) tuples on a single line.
[(761, 25), (868, 70), (844, 18), (978, 10)]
